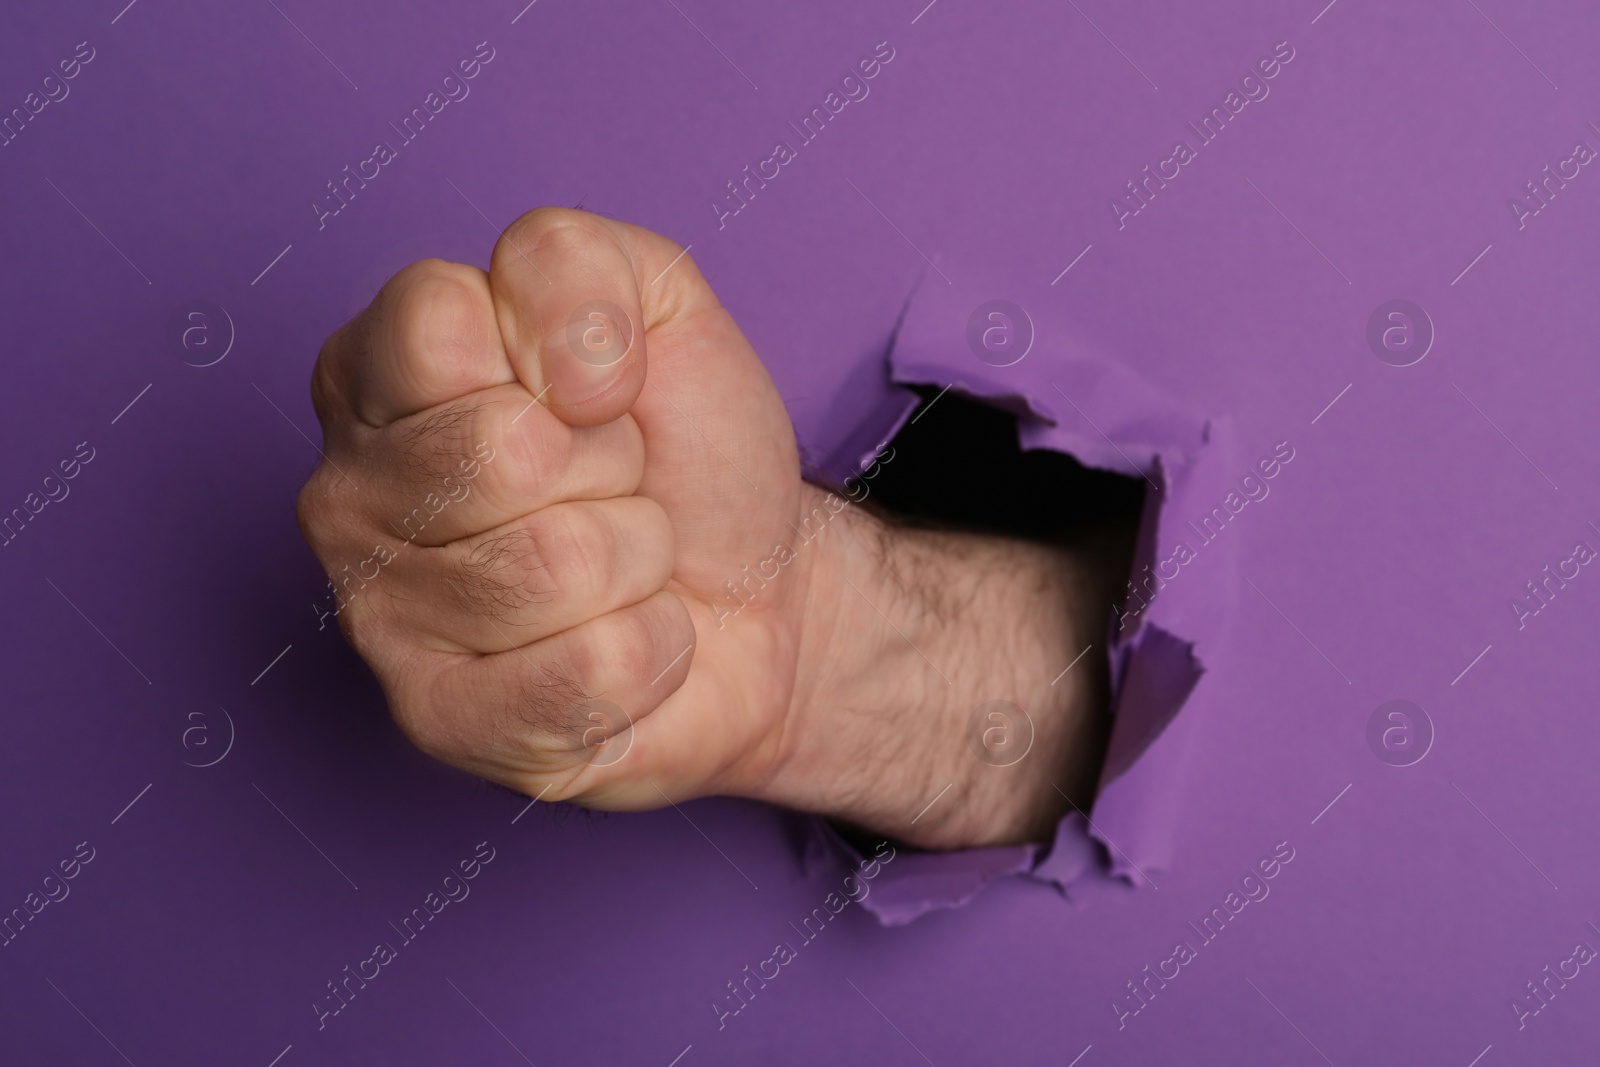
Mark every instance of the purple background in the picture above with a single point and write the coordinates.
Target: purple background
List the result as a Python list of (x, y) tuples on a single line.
[(185, 159)]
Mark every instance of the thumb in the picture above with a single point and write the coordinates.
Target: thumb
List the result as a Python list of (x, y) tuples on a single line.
[(566, 293)]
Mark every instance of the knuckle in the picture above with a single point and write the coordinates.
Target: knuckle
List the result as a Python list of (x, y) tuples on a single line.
[(634, 655), (552, 704), (363, 631), (500, 576), (643, 640), (429, 702), (576, 544), (316, 510), (327, 393), (308, 509), (419, 711), (323, 394), (443, 444), (419, 281), (441, 326), (537, 452), (538, 701), (637, 653)]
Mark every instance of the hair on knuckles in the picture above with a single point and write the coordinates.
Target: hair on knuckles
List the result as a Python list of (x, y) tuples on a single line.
[(493, 579), (436, 447), (552, 706)]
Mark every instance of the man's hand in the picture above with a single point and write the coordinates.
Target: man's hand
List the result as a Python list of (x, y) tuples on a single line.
[(563, 513)]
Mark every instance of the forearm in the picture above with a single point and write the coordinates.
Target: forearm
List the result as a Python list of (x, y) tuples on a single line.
[(909, 634)]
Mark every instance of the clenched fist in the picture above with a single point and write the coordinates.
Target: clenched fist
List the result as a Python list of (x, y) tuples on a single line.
[(562, 506)]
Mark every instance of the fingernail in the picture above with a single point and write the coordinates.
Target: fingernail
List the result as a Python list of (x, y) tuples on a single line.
[(598, 338)]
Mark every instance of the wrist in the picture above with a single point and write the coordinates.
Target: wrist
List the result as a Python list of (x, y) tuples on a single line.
[(908, 640)]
